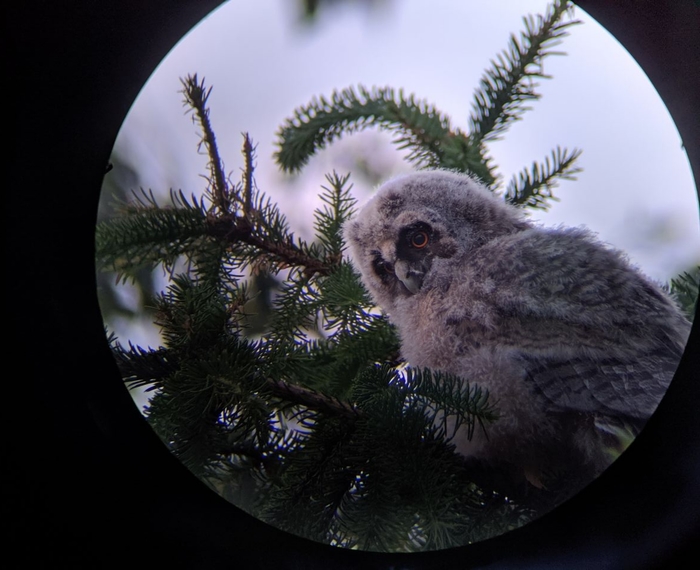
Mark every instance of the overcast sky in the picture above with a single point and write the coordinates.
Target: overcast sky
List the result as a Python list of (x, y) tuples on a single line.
[(636, 190)]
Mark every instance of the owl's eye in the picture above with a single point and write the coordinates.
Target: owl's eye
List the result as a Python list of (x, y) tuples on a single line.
[(419, 239), (387, 266)]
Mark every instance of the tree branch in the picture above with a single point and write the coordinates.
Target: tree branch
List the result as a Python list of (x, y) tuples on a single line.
[(196, 96), (237, 229), (248, 150), (312, 399)]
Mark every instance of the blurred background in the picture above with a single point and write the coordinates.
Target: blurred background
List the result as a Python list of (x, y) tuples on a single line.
[(266, 58)]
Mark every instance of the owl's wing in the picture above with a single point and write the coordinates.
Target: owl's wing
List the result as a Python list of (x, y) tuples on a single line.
[(610, 387)]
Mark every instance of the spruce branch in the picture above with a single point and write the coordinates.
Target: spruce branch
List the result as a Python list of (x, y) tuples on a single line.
[(685, 288), (454, 402), (141, 367), (533, 188), (260, 226), (147, 235), (312, 399), (248, 153), (196, 97), (445, 400), (283, 254), (295, 311), (418, 125), (506, 87), (339, 206)]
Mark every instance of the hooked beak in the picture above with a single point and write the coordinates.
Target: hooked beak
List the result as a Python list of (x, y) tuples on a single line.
[(411, 277)]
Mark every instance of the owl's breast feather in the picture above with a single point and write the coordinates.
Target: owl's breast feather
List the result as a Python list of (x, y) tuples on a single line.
[(434, 334)]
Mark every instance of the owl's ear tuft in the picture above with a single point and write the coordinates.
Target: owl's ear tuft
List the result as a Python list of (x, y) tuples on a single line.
[(391, 203)]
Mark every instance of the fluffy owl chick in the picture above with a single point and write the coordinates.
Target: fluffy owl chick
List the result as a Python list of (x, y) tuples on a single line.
[(574, 345)]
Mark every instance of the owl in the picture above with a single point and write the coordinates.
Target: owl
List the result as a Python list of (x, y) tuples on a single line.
[(574, 344)]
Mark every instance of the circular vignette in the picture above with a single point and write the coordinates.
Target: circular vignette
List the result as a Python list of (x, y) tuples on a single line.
[(98, 483)]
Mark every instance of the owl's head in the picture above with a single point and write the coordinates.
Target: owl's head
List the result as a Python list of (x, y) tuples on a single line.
[(418, 228)]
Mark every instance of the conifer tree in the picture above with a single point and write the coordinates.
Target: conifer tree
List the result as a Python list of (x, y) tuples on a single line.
[(315, 424)]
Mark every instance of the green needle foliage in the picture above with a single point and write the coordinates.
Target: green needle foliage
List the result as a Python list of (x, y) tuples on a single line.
[(685, 287), (428, 135), (315, 424)]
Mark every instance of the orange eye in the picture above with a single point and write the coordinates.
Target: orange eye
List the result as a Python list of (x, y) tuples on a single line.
[(419, 239)]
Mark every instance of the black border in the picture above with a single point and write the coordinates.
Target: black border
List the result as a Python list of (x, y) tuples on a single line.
[(92, 486)]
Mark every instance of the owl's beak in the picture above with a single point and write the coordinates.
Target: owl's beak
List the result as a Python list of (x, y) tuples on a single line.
[(411, 278)]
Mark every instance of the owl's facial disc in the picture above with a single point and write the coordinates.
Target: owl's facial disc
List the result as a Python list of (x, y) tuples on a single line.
[(410, 261)]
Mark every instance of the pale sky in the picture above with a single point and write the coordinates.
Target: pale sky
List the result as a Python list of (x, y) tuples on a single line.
[(636, 190)]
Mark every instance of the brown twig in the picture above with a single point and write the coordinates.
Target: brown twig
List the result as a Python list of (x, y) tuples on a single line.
[(248, 150), (312, 399), (239, 230)]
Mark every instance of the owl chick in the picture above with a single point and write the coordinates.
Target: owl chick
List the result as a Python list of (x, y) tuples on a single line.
[(575, 346)]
